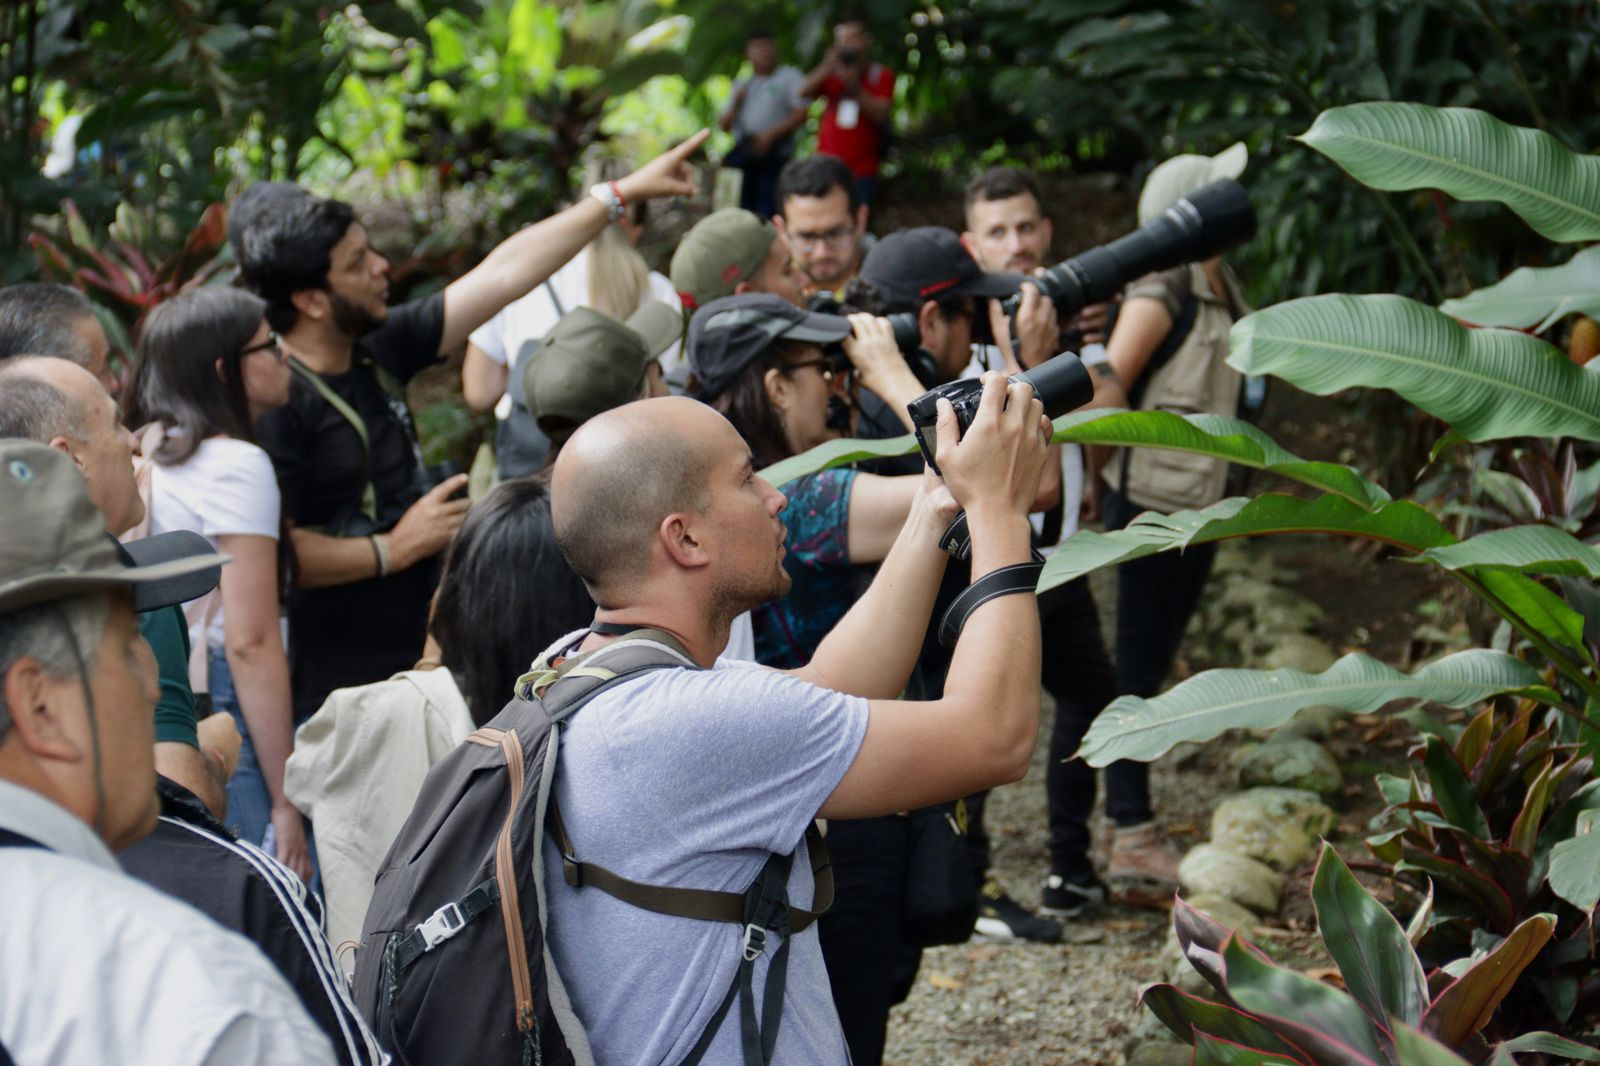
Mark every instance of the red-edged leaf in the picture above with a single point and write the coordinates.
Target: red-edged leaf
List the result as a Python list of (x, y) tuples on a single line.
[(1201, 937), (1453, 791), (1188, 1015), (1419, 1049), (1374, 957), (1467, 1004), (1329, 1025), (1525, 829), (1474, 739), (1211, 1051), (1491, 769), (1544, 1044), (1451, 877)]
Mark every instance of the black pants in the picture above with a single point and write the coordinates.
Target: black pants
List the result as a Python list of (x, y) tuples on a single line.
[(862, 946)]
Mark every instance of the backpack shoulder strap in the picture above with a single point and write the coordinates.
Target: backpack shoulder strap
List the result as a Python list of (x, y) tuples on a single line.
[(369, 494), (1187, 312), (11, 839)]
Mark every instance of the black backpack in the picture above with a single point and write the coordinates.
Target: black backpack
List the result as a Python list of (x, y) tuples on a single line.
[(453, 965)]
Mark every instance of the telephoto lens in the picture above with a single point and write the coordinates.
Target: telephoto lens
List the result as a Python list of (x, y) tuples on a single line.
[(1207, 222), (1062, 384)]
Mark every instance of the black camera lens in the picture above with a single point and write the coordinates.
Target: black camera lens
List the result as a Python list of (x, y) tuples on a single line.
[(848, 55)]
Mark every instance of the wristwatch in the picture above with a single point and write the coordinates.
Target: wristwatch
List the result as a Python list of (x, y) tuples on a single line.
[(611, 196)]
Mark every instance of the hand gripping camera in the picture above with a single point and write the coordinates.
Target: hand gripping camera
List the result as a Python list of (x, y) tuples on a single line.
[(1062, 384)]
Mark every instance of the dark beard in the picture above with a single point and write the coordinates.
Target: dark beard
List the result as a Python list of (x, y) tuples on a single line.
[(352, 320)]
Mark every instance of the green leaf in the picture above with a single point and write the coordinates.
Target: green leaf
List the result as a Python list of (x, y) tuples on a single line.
[(836, 453), (1529, 549), (1213, 702), (1210, 1051), (1326, 1022), (1401, 522), (1469, 154), (1452, 790), (1187, 1015), (1222, 438), (1371, 950), (1543, 1044), (1575, 864), (1466, 1006), (1542, 610), (1488, 384), (1419, 1049), (1534, 297), (1563, 822)]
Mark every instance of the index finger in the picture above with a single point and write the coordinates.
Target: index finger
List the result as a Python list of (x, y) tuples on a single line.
[(991, 405), (687, 148)]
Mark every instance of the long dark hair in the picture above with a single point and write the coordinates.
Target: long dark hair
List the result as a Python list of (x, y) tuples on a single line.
[(175, 379), (746, 404), (505, 594)]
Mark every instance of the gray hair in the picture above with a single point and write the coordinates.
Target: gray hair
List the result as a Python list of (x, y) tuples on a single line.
[(37, 633), (32, 409), (41, 318)]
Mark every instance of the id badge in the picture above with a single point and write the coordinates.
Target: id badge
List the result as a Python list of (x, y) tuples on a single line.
[(848, 113)]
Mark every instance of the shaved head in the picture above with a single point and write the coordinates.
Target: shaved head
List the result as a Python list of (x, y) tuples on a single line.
[(620, 476)]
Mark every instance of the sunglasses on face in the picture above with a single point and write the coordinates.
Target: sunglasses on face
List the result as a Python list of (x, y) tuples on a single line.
[(273, 344)]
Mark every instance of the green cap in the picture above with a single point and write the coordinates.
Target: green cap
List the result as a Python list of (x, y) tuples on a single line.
[(590, 363), (722, 249), (53, 542)]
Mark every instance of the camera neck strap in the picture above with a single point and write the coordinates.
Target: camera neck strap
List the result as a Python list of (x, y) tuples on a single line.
[(1007, 580)]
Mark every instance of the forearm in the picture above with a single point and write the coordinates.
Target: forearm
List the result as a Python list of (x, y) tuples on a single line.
[(781, 129), (873, 648), (811, 84), (1049, 481), (876, 108), (189, 767), (260, 673), (897, 386), (483, 381), (516, 266), (325, 560)]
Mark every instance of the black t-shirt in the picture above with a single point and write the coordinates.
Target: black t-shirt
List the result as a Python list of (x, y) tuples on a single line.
[(361, 632)]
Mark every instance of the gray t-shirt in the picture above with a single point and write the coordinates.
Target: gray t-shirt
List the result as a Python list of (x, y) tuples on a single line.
[(767, 101), (691, 779)]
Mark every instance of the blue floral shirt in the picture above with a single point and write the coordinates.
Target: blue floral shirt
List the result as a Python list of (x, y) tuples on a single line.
[(787, 631)]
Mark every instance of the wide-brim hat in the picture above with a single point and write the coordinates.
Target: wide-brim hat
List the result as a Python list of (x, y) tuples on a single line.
[(54, 545), (1181, 175)]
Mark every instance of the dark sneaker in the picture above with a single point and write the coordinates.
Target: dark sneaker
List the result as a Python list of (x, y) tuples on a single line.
[(1061, 898), (1002, 918)]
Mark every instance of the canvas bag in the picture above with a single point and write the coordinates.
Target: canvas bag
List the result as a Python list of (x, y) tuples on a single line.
[(463, 888)]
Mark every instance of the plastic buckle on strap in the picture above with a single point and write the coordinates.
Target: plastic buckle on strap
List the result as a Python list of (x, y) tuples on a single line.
[(755, 942), (441, 925)]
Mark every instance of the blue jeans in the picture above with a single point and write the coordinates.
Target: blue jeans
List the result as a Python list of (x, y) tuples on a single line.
[(249, 801)]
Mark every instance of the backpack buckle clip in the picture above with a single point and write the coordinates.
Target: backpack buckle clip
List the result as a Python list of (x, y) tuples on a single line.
[(441, 925), (755, 942)]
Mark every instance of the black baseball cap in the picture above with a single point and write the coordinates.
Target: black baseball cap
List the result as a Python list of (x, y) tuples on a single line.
[(925, 263), (730, 333)]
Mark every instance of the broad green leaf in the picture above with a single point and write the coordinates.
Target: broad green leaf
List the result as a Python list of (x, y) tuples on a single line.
[(1543, 1044), (1534, 297), (1326, 1022), (1466, 1006), (1542, 610), (1187, 1015), (1419, 1049), (1401, 523), (1223, 438), (1488, 384), (1530, 549), (1211, 1051), (836, 453), (1213, 702), (1371, 950), (1452, 790), (1563, 822), (1575, 864), (1469, 154)]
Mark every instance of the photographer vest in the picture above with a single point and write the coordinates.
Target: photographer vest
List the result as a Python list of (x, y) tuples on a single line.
[(1192, 377)]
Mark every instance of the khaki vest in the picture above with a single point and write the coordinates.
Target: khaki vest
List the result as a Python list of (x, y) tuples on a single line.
[(1196, 379)]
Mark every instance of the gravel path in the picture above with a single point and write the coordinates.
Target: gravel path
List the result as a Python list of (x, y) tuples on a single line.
[(1073, 1003)]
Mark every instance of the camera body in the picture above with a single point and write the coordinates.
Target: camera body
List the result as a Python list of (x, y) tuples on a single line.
[(848, 55), (1061, 383), (1207, 222)]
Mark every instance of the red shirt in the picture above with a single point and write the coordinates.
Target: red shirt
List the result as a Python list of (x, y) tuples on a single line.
[(861, 145)]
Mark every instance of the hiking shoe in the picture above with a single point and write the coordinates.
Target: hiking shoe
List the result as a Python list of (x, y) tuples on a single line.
[(1002, 918), (1061, 898), (1143, 854)]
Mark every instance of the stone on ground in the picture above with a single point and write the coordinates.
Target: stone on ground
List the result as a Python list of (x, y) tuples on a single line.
[(1291, 762), (1296, 651), (1211, 870), (1161, 1053), (1277, 826)]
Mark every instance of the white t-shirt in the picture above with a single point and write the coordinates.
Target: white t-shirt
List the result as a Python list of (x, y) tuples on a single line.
[(226, 487), (1071, 454), (532, 317)]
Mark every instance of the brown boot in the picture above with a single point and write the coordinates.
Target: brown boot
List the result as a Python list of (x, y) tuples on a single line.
[(1144, 864)]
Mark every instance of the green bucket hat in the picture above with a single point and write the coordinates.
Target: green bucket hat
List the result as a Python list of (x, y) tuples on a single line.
[(590, 362)]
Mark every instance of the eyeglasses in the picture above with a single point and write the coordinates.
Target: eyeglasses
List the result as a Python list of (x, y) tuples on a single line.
[(273, 344), (831, 377), (833, 238)]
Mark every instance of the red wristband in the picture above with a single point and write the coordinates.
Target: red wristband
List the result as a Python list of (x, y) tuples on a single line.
[(617, 189)]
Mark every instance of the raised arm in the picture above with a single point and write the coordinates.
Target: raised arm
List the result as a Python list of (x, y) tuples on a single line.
[(525, 259), (981, 733), (1142, 324)]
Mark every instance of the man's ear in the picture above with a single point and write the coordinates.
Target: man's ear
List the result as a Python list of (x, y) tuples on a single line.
[(311, 303), (971, 245), (861, 219), (776, 383), (931, 323), (682, 542), (68, 446), (222, 375), (783, 230), (36, 720)]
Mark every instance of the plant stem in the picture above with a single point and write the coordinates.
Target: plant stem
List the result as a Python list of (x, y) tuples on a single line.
[(1400, 233), (1511, 57)]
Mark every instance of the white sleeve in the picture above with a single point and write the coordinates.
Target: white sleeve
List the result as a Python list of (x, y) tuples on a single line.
[(241, 491), (491, 337), (661, 289)]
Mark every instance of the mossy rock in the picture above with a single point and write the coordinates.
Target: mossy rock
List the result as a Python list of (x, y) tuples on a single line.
[(1277, 826), (1211, 870), (1295, 651), (1291, 762)]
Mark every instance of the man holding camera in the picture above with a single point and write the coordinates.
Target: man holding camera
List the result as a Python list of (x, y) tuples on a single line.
[(859, 95)]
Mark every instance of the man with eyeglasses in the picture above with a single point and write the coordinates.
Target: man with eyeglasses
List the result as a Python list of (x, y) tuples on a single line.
[(824, 220)]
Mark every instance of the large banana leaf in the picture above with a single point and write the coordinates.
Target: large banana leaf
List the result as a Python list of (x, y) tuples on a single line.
[(1399, 522), (1469, 154), (1536, 297), (1213, 702), (1487, 384), (836, 453), (1530, 549)]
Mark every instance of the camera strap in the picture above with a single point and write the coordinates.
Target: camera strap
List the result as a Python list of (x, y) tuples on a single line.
[(1019, 577)]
